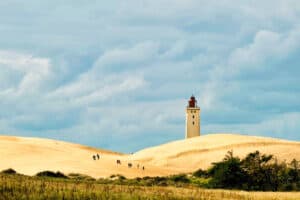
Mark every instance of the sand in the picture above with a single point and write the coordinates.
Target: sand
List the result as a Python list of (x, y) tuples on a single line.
[(31, 155)]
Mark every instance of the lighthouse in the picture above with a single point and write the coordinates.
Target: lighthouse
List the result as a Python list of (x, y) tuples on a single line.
[(192, 122)]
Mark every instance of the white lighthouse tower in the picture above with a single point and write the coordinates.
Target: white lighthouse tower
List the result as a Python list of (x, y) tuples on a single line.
[(192, 124)]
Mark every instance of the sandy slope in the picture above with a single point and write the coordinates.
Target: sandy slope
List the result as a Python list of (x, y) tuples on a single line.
[(191, 154), (31, 155)]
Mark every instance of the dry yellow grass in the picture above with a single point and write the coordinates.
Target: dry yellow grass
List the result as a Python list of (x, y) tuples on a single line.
[(21, 187), (32, 155), (218, 194)]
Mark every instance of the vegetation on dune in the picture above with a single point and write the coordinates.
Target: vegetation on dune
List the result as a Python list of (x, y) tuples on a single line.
[(80, 177), (255, 172), (9, 171), (51, 174), (20, 187)]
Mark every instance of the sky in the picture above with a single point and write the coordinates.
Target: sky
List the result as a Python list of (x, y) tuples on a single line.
[(118, 74)]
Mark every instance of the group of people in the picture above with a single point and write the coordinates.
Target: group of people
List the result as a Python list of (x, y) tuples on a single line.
[(97, 157), (130, 165)]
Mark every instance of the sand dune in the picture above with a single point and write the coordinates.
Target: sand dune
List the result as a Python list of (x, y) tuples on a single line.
[(31, 155), (192, 154)]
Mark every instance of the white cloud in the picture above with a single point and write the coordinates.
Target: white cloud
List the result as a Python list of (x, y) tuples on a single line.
[(112, 90), (126, 68), (176, 50), (280, 126), (26, 72), (266, 45), (284, 125), (122, 58), (24, 63)]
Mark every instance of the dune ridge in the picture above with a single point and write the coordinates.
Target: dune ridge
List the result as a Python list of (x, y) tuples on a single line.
[(32, 155)]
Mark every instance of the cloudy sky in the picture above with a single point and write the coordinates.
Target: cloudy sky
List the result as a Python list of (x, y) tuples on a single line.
[(118, 74)]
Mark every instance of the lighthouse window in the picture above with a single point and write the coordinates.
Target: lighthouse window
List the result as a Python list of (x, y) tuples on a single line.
[(193, 116), (193, 123)]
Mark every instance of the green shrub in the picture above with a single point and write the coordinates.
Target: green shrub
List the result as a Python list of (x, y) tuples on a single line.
[(255, 172), (227, 173), (158, 179), (146, 177), (117, 177), (51, 174), (180, 178), (81, 177), (201, 173), (201, 182), (9, 171)]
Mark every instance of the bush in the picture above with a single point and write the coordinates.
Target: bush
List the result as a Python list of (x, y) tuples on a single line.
[(255, 172), (180, 178), (201, 182), (9, 171), (227, 173), (146, 177), (201, 173), (81, 177), (158, 179), (51, 174), (117, 177)]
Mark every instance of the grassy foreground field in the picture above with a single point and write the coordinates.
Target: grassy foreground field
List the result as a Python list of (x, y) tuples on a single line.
[(24, 187)]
